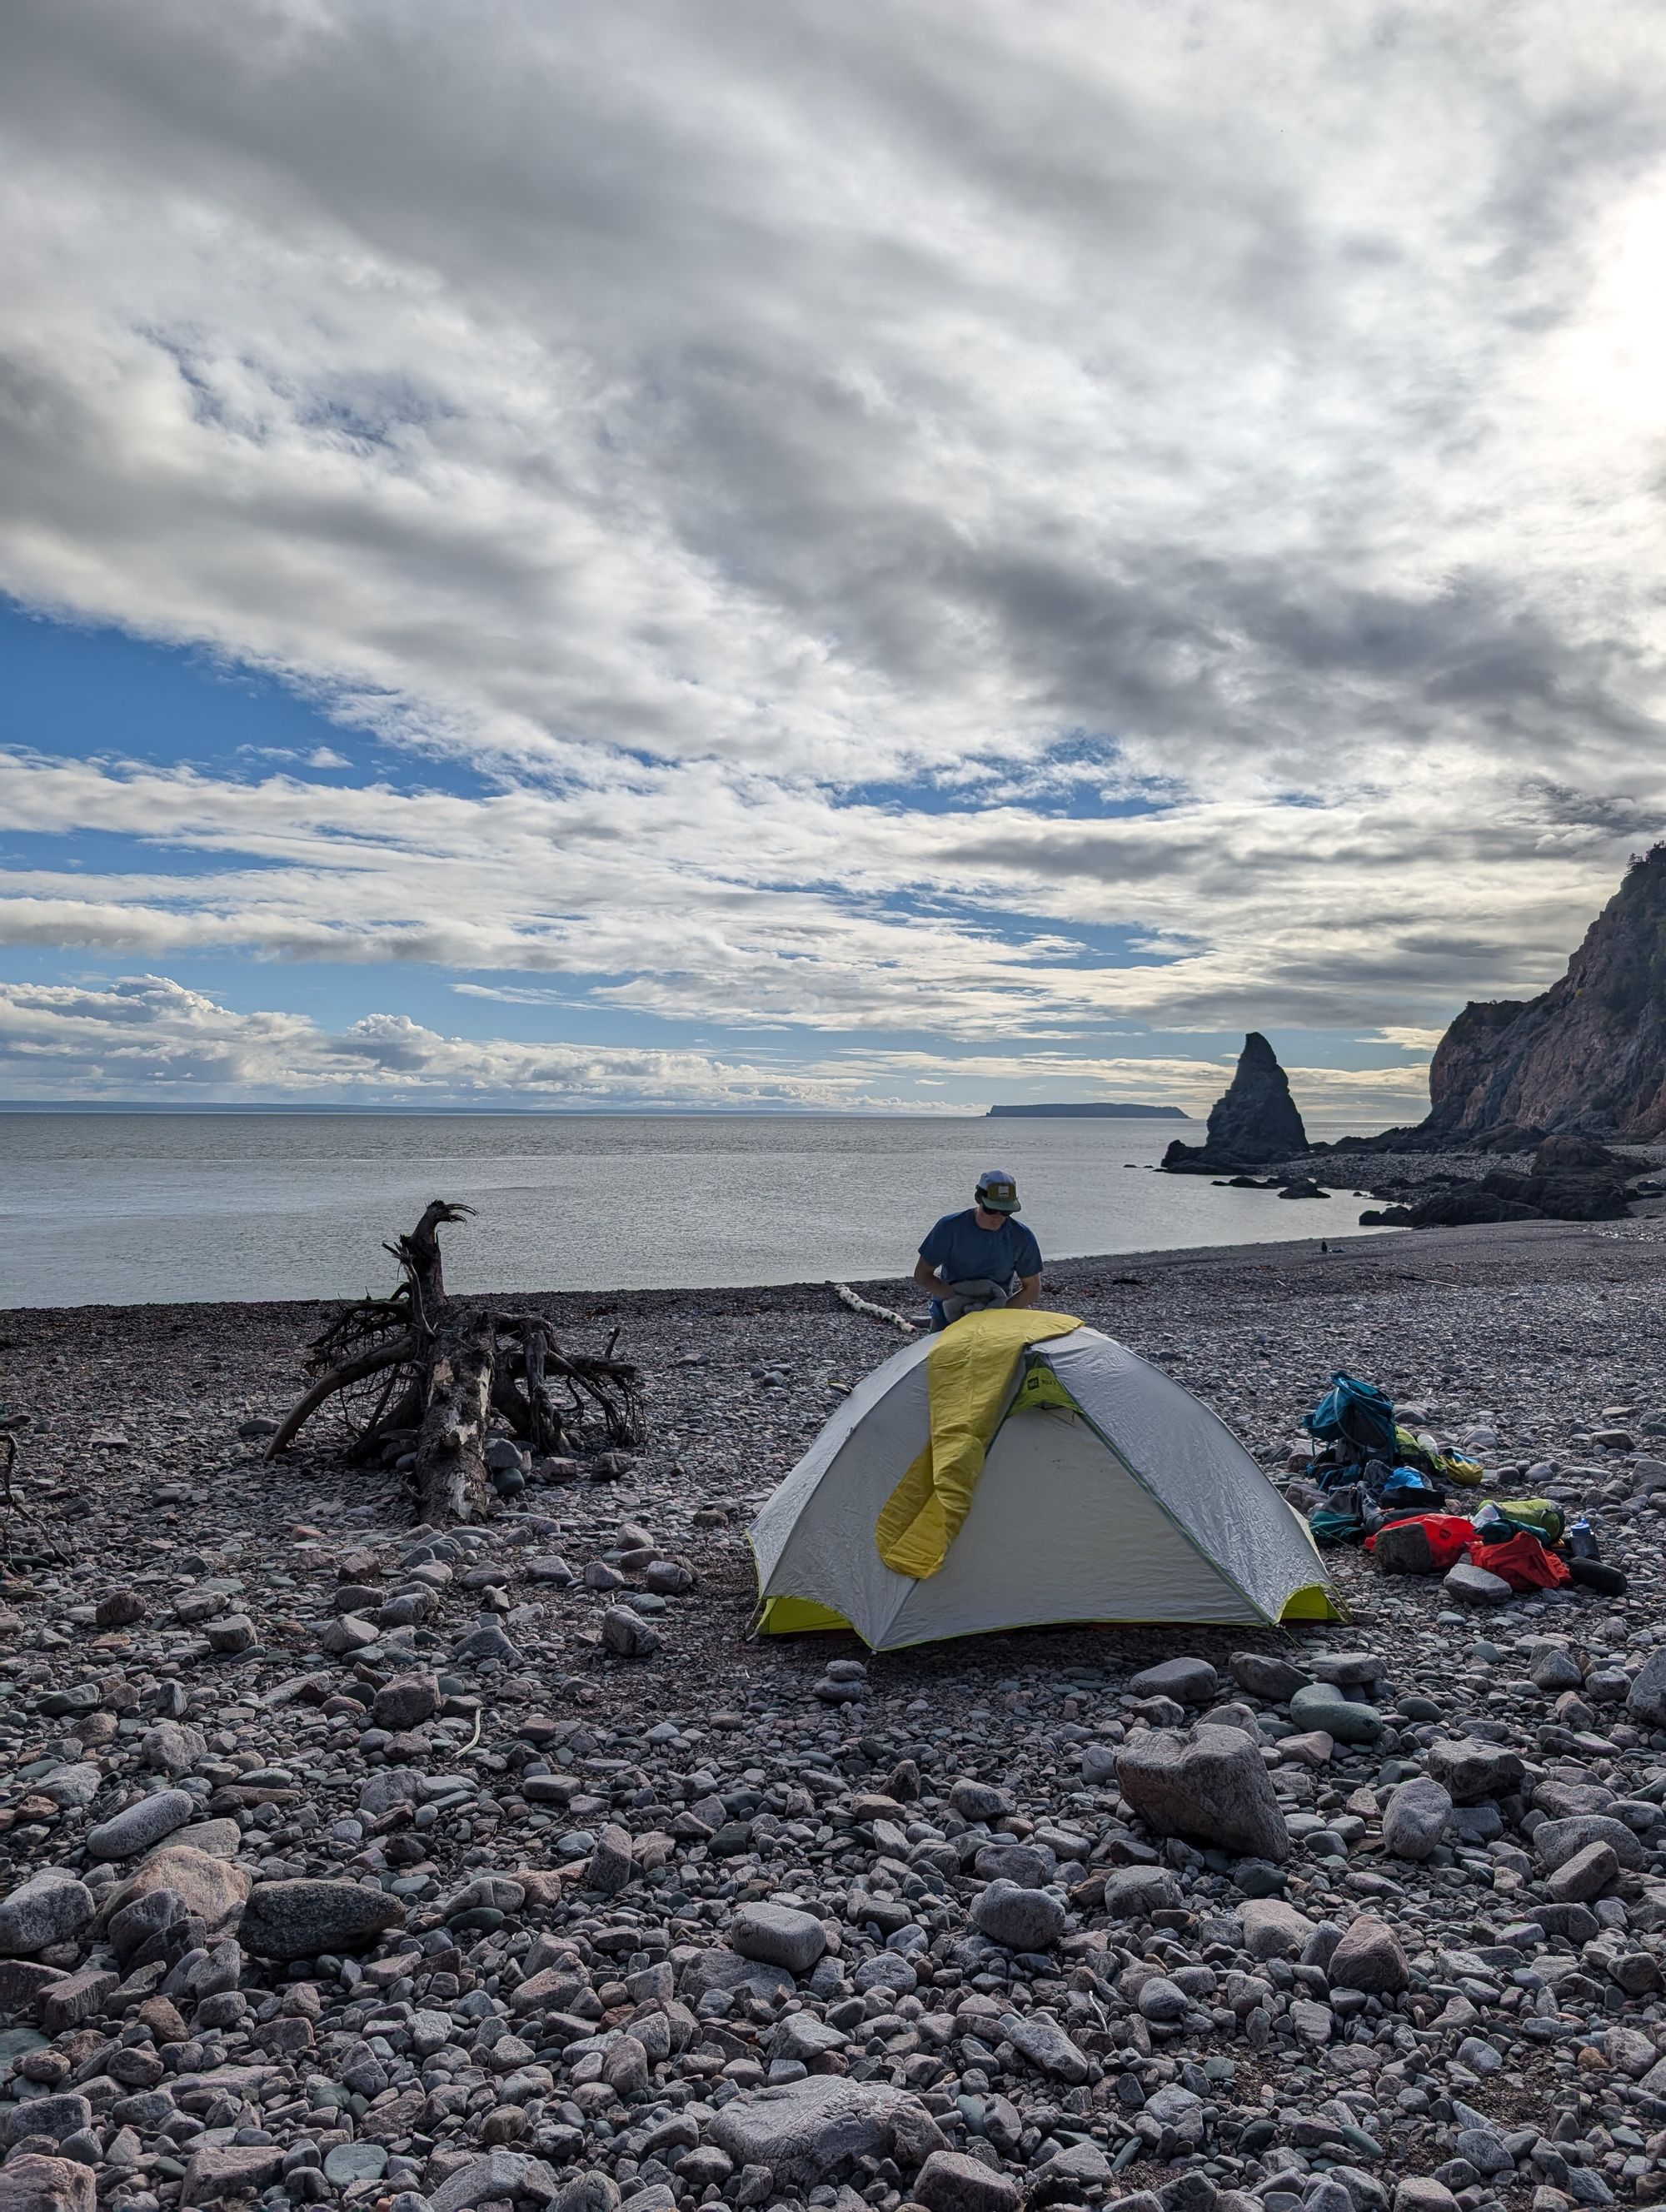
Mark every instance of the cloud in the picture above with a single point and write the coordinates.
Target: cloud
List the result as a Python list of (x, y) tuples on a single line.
[(149, 1037), (970, 523)]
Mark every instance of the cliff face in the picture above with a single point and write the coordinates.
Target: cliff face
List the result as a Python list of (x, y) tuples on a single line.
[(1589, 1054)]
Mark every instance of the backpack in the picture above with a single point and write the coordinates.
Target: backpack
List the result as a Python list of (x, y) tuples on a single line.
[(1357, 1414), (1423, 1544)]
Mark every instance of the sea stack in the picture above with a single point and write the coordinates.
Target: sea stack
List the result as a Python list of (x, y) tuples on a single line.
[(1254, 1123)]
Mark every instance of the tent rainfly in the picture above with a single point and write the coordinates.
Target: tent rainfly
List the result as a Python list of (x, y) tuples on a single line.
[(1019, 1469)]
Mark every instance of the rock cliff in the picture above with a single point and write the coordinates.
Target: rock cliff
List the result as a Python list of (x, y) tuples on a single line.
[(1254, 1121), (1588, 1055)]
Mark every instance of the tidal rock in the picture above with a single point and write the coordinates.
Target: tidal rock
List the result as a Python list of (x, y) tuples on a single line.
[(1212, 1787), (1473, 1769), (1273, 1928), (1135, 1892), (1555, 1842), (222, 2170), (501, 2175), (208, 1889), (981, 1801), (406, 1701), (1645, 1702), (300, 1920), (172, 1747), (949, 2181), (1590, 1871)]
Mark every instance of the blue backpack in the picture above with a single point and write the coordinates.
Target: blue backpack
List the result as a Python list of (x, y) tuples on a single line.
[(1355, 1413)]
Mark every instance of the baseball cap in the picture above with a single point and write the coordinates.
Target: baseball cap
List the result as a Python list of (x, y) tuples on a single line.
[(997, 1191)]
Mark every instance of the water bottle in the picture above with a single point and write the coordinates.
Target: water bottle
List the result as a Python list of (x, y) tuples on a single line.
[(1581, 1539)]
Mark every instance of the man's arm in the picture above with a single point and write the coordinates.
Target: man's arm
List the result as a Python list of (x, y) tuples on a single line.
[(1028, 1293), (926, 1276)]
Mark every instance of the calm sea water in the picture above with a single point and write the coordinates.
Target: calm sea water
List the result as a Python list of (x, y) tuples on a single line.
[(118, 1208)]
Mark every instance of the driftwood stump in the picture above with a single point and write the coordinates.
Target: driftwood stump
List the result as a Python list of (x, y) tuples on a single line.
[(415, 1369)]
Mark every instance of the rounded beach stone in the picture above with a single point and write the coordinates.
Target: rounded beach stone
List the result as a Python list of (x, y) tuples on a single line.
[(139, 1826), (1018, 1919), (1369, 1958), (1320, 1706), (779, 1935), (1188, 1681), (1416, 1817), (1213, 1786), (47, 1908), (302, 1919)]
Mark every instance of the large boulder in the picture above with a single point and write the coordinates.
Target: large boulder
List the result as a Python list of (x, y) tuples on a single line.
[(304, 1919), (213, 1891), (32, 2183), (1212, 1786), (808, 2132), (49, 1908)]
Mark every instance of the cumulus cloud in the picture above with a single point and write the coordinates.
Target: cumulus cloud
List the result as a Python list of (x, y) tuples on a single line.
[(971, 522), (148, 1037)]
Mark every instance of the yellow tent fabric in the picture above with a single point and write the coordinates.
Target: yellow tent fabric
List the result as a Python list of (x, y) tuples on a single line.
[(968, 1370)]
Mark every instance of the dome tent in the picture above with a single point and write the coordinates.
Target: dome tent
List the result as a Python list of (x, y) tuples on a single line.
[(1021, 1468)]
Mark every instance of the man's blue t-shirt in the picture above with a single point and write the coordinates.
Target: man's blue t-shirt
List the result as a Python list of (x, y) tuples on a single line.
[(961, 1251)]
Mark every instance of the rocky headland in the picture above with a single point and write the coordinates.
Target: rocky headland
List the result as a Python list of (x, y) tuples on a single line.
[(1551, 1109)]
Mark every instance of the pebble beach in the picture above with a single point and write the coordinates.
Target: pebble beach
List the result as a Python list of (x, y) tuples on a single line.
[(432, 1870)]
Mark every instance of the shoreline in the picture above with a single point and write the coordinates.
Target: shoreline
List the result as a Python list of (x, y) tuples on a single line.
[(1493, 1244)]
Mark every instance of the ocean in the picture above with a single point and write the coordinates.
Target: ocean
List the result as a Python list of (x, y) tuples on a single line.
[(116, 1209)]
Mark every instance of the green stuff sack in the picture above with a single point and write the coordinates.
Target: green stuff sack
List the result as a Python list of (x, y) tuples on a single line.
[(1449, 1466), (1545, 1519)]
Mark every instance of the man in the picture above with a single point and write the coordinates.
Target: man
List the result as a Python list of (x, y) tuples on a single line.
[(974, 1261)]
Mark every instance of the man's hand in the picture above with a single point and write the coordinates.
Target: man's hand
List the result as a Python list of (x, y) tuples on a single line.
[(926, 1276), (1028, 1293)]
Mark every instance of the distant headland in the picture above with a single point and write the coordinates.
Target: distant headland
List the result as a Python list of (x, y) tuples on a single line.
[(1087, 1113)]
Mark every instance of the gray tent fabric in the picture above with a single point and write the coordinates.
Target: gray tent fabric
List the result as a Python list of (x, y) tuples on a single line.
[(1132, 1502)]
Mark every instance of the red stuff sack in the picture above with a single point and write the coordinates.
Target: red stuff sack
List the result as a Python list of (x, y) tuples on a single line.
[(1522, 1562), (1421, 1544)]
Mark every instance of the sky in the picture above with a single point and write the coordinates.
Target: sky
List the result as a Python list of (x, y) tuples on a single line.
[(886, 558)]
